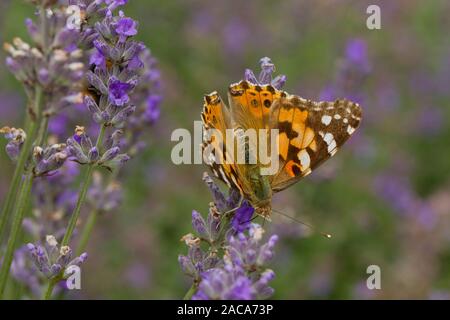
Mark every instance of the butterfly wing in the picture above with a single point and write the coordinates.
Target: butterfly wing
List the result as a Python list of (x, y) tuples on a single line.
[(216, 116), (309, 133)]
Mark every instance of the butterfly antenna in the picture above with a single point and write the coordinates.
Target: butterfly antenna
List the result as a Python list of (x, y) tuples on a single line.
[(326, 235)]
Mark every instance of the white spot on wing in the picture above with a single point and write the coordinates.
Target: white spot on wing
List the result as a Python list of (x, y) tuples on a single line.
[(350, 129), (326, 119), (304, 158), (332, 146), (328, 137)]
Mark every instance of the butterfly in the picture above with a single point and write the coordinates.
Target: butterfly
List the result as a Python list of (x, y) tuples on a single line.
[(308, 134)]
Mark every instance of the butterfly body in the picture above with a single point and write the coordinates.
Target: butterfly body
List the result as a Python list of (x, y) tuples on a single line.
[(261, 198), (308, 134)]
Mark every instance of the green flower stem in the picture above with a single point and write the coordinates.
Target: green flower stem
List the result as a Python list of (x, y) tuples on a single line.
[(192, 290), (16, 225), (76, 213), (48, 292), (92, 219), (43, 131), (87, 231), (32, 126), (82, 195)]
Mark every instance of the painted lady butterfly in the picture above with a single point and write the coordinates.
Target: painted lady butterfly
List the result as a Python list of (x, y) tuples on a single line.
[(309, 133)]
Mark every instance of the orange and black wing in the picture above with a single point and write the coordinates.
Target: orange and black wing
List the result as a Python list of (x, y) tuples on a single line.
[(309, 133)]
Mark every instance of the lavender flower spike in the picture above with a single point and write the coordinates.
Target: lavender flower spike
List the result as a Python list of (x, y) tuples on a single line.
[(53, 260), (265, 76)]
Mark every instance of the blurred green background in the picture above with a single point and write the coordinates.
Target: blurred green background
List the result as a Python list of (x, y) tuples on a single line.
[(385, 197)]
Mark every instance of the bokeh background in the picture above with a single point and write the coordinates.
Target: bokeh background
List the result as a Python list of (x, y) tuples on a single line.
[(385, 197)]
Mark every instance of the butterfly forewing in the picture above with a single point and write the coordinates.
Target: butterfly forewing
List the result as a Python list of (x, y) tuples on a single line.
[(309, 133), (216, 116)]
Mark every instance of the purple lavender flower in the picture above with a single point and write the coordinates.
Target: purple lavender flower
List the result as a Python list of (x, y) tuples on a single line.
[(224, 284), (125, 27), (247, 252), (396, 192), (47, 160), (113, 4), (104, 197), (81, 149), (232, 283), (242, 218), (241, 272), (118, 92), (25, 273), (16, 139), (53, 260), (152, 112), (356, 53), (265, 76), (351, 74)]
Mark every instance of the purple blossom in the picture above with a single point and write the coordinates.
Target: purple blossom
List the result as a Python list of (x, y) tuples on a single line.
[(16, 139), (224, 284), (48, 159), (113, 4), (153, 111), (53, 260), (232, 283), (25, 273), (265, 76), (356, 52), (125, 27), (118, 92), (242, 218), (103, 196)]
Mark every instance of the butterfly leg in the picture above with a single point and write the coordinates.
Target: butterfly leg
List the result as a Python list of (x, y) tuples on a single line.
[(235, 208), (251, 220)]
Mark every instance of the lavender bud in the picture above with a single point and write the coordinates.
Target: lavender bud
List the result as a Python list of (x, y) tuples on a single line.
[(55, 269), (86, 142), (44, 76), (96, 82), (78, 261), (13, 66), (12, 150), (110, 154), (268, 68), (266, 252), (219, 198), (33, 30), (250, 76), (279, 81), (213, 222), (93, 154), (76, 151), (186, 265), (199, 225), (122, 116), (195, 254)]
